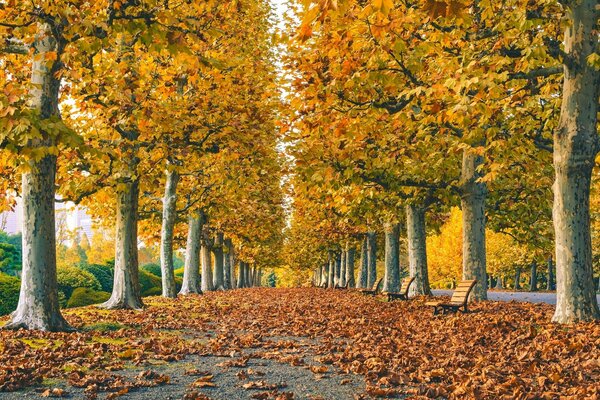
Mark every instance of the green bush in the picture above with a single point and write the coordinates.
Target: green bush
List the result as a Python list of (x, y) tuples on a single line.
[(179, 272), (104, 274), (153, 268), (84, 296), (150, 284), (70, 278), (9, 290)]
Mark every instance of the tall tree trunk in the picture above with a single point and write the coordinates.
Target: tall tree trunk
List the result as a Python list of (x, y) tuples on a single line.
[(350, 265), (575, 148), (219, 263), (417, 250), (126, 286), (191, 269), (499, 283), (240, 279), (518, 278), (473, 209), (533, 277), (338, 268), (227, 264), (391, 278), (331, 277), (550, 283), (38, 306), (259, 277), (372, 258), (363, 273), (169, 217), (342, 279), (207, 276)]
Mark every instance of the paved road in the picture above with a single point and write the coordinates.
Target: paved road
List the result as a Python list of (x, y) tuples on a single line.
[(530, 297)]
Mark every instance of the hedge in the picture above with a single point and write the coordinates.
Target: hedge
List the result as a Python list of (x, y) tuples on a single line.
[(70, 278), (9, 290), (104, 274), (83, 296)]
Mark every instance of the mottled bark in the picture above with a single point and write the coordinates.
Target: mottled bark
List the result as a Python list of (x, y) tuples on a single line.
[(550, 282), (38, 306), (417, 250), (518, 278), (372, 258), (575, 148), (240, 279), (219, 274), (205, 252), (331, 275), (499, 283), (391, 277), (363, 273), (191, 269), (169, 217), (473, 195), (342, 278), (350, 253), (228, 249), (533, 277)]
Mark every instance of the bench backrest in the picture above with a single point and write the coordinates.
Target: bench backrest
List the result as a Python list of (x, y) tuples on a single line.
[(377, 285), (406, 282), (461, 294)]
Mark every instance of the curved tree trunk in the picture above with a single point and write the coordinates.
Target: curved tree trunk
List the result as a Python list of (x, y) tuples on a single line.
[(417, 250), (191, 270), (126, 287), (207, 276), (219, 274), (350, 252), (473, 209), (363, 273), (575, 148), (38, 306), (391, 278), (372, 258), (169, 217)]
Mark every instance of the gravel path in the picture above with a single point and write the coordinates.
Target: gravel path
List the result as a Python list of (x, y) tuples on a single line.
[(529, 297)]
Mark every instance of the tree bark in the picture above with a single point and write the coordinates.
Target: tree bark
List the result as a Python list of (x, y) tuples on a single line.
[(518, 278), (575, 148), (473, 209), (533, 277), (126, 287), (342, 278), (207, 276), (331, 277), (219, 274), (240, 279), (363, 274), (391, 278), (38, 306), (550, 283), (191, 269), (228, 247), (350, 265), (169, 217), (499, 283), (372, 258), (417, 250)]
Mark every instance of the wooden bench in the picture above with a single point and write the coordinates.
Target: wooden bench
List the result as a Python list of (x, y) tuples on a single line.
[(372, 292), (403, 293), (459, 300)]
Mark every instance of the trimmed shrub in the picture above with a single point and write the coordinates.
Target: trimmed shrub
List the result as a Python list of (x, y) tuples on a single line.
[(70, 278), (104, 274), (9, 290), (150, 284), (179, 272), (83, 296), (153, 268)]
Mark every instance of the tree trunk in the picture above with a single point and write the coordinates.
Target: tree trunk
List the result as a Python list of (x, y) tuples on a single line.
[(499, 283), (207, 276), (191, 270), (259, 277), (533, 277), (372, 258), (391, 278), (575, 148), (219, 264), (518, 279), (331, 277), (417, 250), (240, 279), (126, 287), (38, 306), (228, 247), (363, 274), (342, 279), (550, 283), (473, 209), (169, 217), (350, 265)]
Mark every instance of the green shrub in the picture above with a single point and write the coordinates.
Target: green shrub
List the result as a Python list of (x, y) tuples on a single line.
[(104, 274), (150, 284), (153, 268), (70, 278), (9, 290), (179, 272), (84, 296)]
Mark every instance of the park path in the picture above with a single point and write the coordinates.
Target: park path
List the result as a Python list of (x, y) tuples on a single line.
[(500, 295)]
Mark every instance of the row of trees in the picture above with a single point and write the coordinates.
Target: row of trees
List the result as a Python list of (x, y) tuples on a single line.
[(158, 116), (421, 106)]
